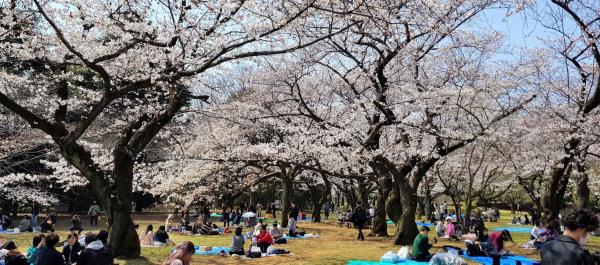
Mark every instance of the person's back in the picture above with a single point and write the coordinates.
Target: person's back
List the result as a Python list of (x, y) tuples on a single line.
[(25, 225), (95, 254), (237, 244), (49, 255), (360, 215)]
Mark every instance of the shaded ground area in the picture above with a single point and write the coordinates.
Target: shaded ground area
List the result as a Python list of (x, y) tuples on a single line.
[(336, 245)]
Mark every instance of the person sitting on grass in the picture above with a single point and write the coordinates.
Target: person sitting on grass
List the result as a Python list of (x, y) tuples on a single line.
[(440, 229), (94, 253), (48, 255), (47, 225), (147, 238), (161, 238), (550, 233), (13, 257), (182, 255), (237, 244), (275, 232), (38, 243), (71, 250), (76, 224), (450, 229), (569, 248), (25, 224), (421, 246), (536, 231), (264, 239)]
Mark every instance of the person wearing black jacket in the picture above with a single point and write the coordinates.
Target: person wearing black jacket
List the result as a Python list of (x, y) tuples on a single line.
[(359, 218), (94, 253), (294, 212), (48, 255), (13, 257), (569, 248), (71, 250)]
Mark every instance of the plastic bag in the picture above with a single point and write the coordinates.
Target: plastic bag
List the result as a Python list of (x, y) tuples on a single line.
[(403, 253), (447, 259), (254, 249), (270, 250), (390, 257)]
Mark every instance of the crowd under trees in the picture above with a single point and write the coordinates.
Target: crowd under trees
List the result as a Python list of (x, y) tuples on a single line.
[(391, 103)]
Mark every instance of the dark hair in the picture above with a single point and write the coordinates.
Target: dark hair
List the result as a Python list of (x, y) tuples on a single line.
[(580, 219), (90, 237), (10, 245), (37, 239), (425, 228), (553, 225), (238, 231), (506, 236), (103, 236), (72, 234), (51, 240), (149, 228)]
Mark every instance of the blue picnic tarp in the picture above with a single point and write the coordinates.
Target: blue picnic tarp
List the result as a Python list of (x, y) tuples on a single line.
[(365, 262), (389, 222), (505, 260), (515, 229), (214, 251)]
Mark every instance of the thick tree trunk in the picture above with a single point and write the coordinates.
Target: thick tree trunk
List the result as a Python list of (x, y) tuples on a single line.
[(582, 190), (406, 227), (316, 212), (393, 205), (553, 200), (123, 237), (380, 219), (363, 193), (287, 190)]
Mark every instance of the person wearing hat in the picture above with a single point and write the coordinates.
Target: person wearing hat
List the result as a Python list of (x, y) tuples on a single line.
[(421, 246), (450, 228), (264, 239), (13, 257)]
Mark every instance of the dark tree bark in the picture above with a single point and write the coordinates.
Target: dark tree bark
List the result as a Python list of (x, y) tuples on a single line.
[(380, 219)]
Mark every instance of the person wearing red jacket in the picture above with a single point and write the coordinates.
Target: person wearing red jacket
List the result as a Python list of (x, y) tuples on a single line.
[(264, 239)]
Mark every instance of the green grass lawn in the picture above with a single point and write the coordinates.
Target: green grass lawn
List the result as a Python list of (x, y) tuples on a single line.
[(335, 246)]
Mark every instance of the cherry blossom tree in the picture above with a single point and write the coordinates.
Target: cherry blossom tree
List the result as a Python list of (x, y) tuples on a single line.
[(128, 67)]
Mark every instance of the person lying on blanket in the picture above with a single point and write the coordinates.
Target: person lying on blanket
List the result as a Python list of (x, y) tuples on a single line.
[(421, 246)]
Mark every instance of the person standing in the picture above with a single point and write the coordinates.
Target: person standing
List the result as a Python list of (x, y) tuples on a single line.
[(569, 248), (35, 211), (93, 212), (326, 210), (226, 213), (359, 218)]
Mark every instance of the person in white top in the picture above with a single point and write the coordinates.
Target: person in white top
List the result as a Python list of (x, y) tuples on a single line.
[(536, 231), (182, 255)]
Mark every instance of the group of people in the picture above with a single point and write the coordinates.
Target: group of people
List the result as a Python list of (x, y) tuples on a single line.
[(94, 251), (556, 247)]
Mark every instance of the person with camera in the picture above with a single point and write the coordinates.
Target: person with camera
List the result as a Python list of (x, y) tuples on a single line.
[(569, 248)]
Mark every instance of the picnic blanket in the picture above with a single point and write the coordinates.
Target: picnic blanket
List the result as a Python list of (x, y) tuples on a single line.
[(364, 262), (515, 229), (390, 222), (214, 251), (306, 236), (8, 232), (505, 260)]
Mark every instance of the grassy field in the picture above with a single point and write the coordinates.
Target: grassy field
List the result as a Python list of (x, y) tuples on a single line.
[(335, 246)]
